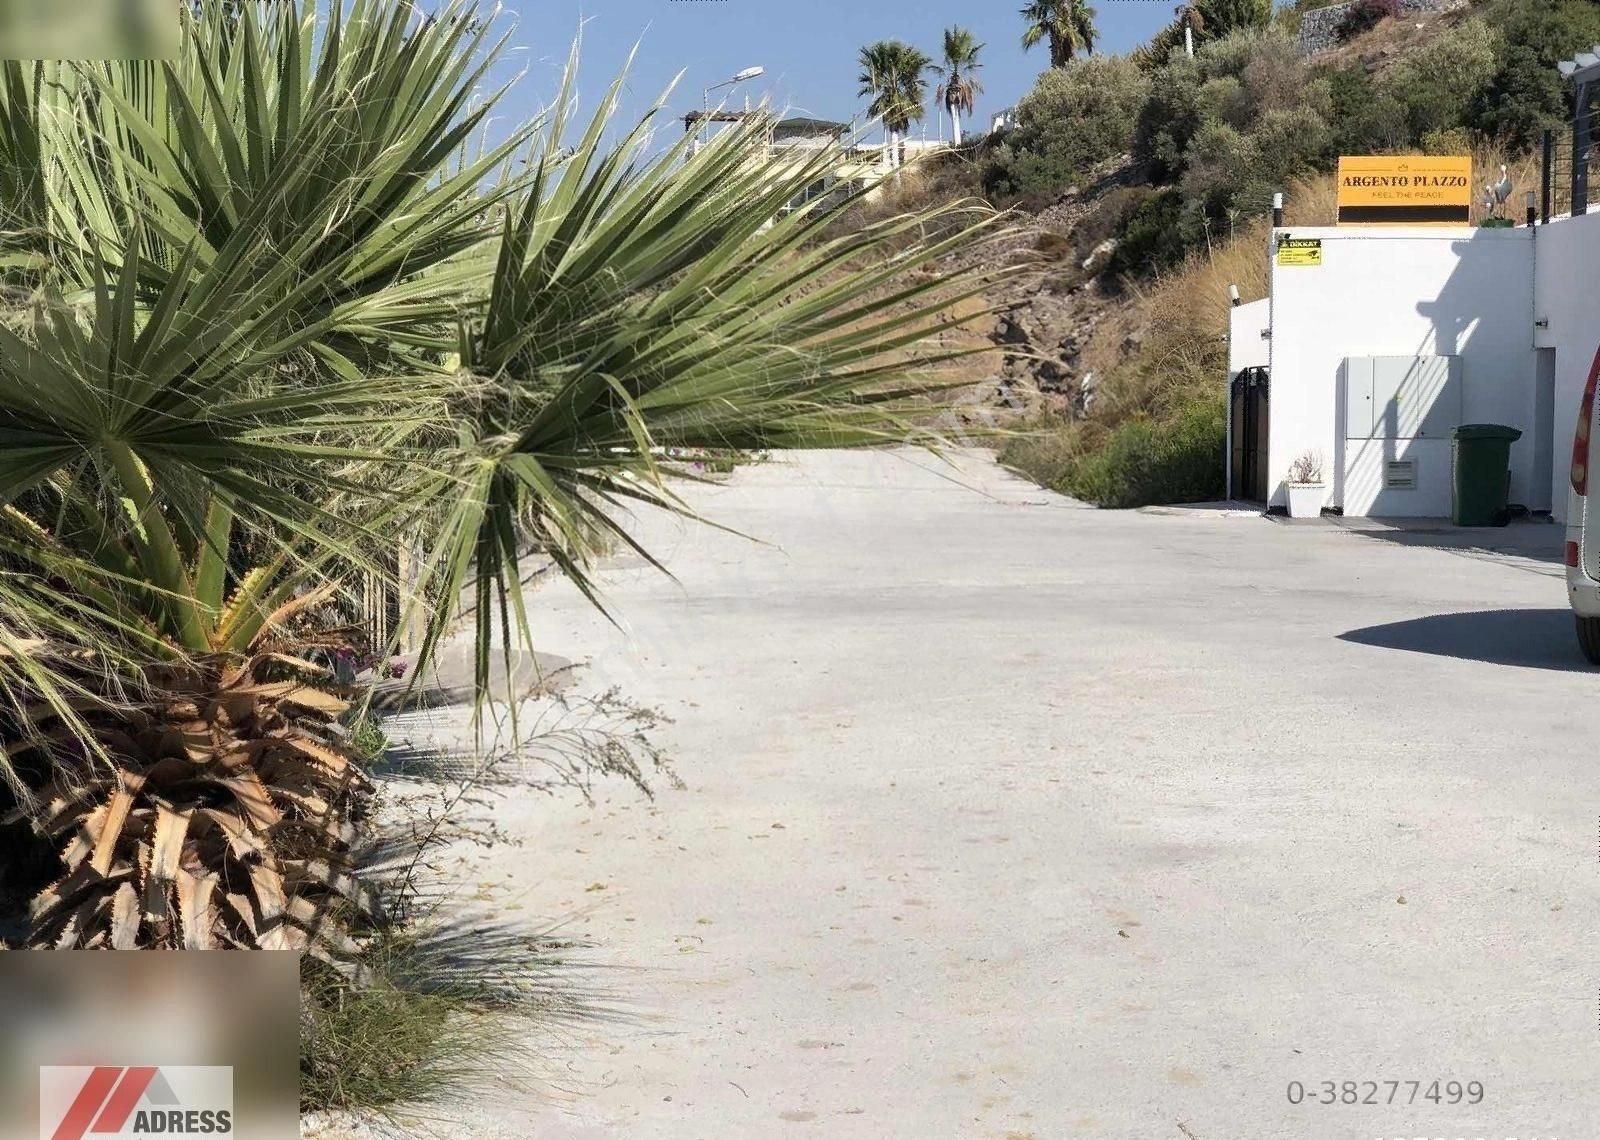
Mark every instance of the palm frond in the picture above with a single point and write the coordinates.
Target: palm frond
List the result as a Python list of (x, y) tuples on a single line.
[(645, 304), (269, 309)]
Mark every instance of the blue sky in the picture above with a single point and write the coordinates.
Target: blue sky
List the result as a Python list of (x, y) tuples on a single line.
[(808, 47)]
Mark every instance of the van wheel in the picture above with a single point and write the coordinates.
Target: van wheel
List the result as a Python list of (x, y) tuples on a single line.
[(1588, 636)]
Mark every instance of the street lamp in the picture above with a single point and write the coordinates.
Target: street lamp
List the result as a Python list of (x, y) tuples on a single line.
[(705, 97)]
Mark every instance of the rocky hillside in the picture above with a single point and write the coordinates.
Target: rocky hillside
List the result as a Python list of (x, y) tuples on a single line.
[(1054, 320), (1209, 141)]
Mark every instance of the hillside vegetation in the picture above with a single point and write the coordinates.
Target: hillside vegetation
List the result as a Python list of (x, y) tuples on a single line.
[(1180, 157)]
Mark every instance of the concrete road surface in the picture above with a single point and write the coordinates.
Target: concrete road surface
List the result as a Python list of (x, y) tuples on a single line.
[(1009, 818)]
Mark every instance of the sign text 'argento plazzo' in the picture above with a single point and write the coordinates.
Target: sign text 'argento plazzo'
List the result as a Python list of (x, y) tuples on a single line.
[(1404, 189)]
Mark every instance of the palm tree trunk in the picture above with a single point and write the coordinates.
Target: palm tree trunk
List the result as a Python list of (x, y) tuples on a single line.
[(955, 125)]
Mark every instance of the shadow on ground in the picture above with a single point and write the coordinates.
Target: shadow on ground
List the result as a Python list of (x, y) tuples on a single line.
[(1539, 541), (1537, 639), (522, 676)]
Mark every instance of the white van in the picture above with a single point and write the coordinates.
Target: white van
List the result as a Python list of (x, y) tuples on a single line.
[(1583, 534)]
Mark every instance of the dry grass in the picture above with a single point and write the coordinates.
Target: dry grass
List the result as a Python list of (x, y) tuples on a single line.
[(1309, 201), (930, 181), (940, 180), (1191, 302), (1314, 201), (1524, 171), (1391, 40), (971, 335)]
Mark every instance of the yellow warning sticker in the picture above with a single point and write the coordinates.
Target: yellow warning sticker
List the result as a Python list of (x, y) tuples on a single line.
[(1299, 251)]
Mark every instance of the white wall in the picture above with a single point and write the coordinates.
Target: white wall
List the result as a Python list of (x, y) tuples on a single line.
[(1248, 347), (1566, 265), (1401, 292)]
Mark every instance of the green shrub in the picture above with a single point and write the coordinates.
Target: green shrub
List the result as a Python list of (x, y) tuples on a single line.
[(1173, 460), (1075, 117), (1169, 118), (1219, 158), (1230, 55), (1109, 217), (1439, 83), (367, 738), (1224, 17), (1206, 113), (1522, 100), (1454, 140), (1287, 143), (1277, 78), (435, 1013), (1525, 94), (1047, 451), (1230, 127), (1014, 172), (1233, 175), (1436, 89), (1225, 100), (1364, 120), (1176, 457), (1157, 235)]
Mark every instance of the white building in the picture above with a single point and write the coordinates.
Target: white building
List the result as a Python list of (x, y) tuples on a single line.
[(1391, 336), (861, 165)]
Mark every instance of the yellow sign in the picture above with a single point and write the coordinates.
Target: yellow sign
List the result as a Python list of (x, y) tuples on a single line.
[(1299, 251), (1405, 190)]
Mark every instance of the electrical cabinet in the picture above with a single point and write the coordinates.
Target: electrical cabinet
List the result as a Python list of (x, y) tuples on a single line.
[(1402, 397)]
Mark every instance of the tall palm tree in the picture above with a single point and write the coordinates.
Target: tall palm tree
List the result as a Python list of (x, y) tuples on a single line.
[(1193, 22), (263, 310), (892, 77), (959, 86), (1068, 26)]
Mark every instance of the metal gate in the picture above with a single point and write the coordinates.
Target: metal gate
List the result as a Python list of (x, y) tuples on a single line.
[(1247, 413)]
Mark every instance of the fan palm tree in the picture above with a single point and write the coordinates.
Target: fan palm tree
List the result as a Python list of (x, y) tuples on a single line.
[(1067, 25), (959, 86), (892, 78), (265, 309)]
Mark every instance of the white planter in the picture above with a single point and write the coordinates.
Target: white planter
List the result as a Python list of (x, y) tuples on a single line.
[(1305, 500)]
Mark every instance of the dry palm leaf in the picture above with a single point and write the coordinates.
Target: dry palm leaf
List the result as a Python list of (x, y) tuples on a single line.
[(225, 820)]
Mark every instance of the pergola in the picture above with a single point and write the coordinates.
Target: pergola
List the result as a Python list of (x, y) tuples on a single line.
[(693, 120)]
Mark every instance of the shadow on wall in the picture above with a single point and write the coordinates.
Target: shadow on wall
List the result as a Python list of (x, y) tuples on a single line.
[(1499, 367), (1536, 639)]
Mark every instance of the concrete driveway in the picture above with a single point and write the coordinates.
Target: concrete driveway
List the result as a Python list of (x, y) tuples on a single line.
[(1010, 818)]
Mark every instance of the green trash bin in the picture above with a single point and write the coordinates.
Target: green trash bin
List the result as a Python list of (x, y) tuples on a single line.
[(1481, 464)]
